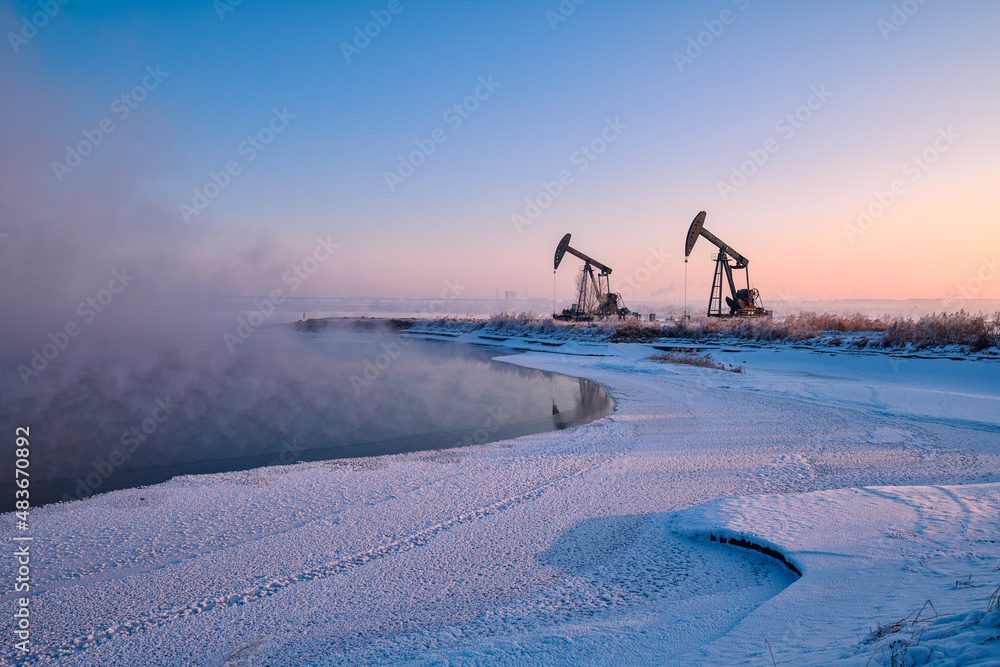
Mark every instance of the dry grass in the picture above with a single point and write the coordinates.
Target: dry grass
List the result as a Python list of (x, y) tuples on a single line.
[(977, 332), (792, 326), (897, 648), (894, 651), (533, 324), (973, 331), (693, 359)]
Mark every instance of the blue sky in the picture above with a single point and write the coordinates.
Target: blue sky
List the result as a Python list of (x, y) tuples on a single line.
[(887, 96)]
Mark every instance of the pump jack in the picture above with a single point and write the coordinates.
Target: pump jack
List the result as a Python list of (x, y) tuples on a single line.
[(743, 302), (595, 298)]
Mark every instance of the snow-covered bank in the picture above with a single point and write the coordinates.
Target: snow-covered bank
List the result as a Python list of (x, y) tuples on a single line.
[(870, 557), (563, 547)]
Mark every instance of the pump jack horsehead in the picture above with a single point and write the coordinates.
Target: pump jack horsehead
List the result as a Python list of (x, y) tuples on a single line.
[(743, 302)]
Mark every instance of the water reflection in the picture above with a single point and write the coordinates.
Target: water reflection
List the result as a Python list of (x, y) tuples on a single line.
[(591, 400)]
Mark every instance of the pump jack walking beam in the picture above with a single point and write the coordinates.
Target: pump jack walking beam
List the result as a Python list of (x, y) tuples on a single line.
[(698, 229), (564, 247)]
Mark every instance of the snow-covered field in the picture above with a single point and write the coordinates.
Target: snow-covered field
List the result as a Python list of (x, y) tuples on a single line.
[(876, 477)]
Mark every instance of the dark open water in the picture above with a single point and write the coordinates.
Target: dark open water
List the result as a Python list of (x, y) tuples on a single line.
[(280, 399)]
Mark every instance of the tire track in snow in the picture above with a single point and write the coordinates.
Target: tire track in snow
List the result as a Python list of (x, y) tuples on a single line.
[(339, 566), (120, 571), (968, 516)]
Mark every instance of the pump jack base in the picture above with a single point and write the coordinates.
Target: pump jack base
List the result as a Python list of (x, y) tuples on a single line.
[(571, 317), (745, 312)]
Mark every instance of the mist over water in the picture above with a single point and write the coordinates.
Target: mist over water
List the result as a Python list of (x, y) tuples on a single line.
[(124, 382), (116, 421)]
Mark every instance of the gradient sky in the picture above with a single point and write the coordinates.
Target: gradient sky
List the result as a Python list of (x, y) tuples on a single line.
[(891, 95)]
